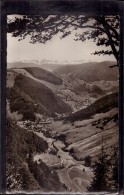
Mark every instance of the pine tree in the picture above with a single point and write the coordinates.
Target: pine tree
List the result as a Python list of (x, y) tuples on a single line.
[(88, 161), (30, 159), (114, 170), (100, 170)]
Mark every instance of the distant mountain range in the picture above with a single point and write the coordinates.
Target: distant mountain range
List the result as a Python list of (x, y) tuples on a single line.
[(93, 71), (64, 67), (46, 66)]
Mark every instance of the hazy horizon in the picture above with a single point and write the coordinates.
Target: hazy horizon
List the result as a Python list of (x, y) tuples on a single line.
[(54, 50), (50, 66), (59, 50)]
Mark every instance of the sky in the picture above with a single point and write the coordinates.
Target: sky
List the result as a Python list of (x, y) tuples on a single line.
[(59, 50)]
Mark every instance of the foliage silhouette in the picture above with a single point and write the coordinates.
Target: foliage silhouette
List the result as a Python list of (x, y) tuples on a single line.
[(103, 30)]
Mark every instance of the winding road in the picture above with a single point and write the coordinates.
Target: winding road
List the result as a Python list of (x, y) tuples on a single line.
[(67, 163)]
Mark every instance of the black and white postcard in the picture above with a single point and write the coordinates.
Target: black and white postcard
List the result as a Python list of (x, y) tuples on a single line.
[(62, 101)]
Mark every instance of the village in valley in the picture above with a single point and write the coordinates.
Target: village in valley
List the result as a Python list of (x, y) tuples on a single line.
[(62, 104)]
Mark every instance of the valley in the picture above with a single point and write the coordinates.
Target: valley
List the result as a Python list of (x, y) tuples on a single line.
[(73, 117), (60, 160)]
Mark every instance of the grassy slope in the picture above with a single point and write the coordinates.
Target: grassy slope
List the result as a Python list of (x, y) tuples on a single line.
[(83, 131), (94, 71), (45, 75), (26, 93), (103, 104)]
